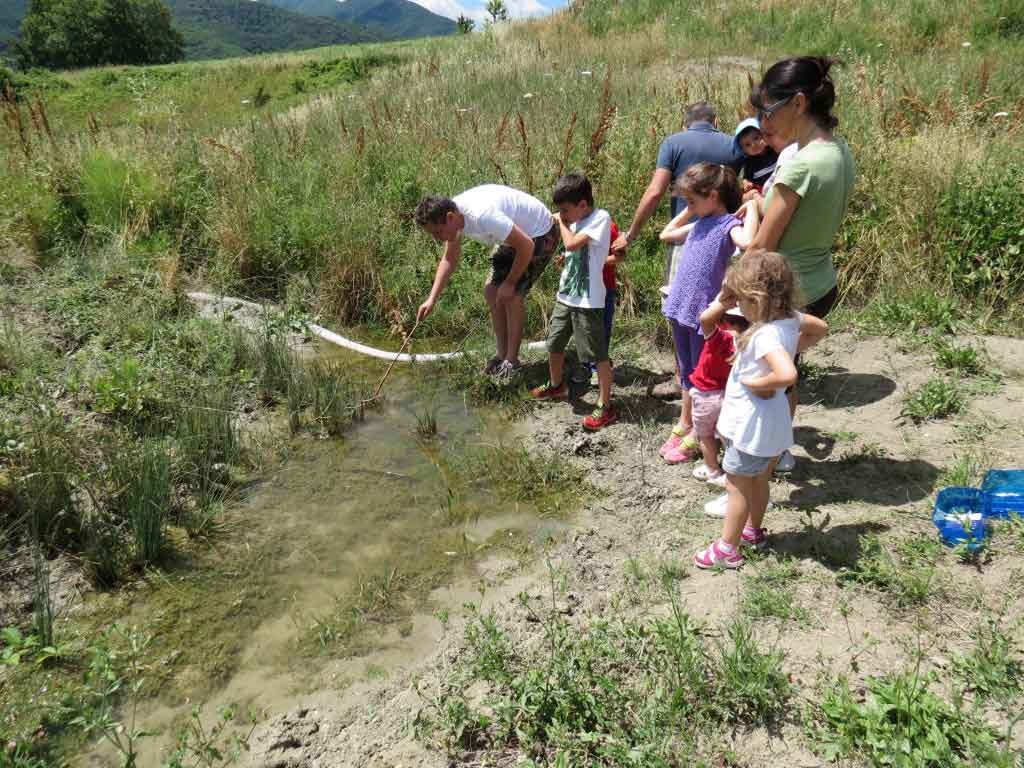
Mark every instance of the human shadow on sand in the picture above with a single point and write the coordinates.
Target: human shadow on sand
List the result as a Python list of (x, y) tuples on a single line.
[(862, 478), (834, 546), (839, 388)]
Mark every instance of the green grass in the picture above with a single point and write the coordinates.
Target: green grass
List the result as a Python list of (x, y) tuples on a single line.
[(935, 399), (615, 692), (905, 573)]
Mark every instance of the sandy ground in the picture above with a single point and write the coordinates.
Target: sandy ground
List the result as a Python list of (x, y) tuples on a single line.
[(861, 468)]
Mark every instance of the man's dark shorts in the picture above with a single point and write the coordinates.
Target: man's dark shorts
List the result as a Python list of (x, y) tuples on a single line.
[(504, 255)]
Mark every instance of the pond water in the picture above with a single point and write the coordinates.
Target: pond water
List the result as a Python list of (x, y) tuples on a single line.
[(337, 563)]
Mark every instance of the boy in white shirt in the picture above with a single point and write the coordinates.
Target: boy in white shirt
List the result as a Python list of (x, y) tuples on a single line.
[(523, 233), (579, 308)]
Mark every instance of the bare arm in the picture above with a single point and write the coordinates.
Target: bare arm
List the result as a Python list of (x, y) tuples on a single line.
[(743, 236), (711, 316), (648, 205), (780, 212), (572, 241), (812, 330), (445, 269), (677, 229), (782, 374)]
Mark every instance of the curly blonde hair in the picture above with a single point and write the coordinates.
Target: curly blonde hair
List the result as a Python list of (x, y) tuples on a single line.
[(765, 279)]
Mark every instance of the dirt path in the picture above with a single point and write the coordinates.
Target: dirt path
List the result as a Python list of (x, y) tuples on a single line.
[(860, 469)]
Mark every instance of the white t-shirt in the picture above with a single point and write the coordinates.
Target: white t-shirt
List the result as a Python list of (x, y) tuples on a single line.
[(490, 211), (786, 153), (755, 425), (582, 284)]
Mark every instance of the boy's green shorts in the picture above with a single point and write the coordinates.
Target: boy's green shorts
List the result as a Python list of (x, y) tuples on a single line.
[(586, 326)]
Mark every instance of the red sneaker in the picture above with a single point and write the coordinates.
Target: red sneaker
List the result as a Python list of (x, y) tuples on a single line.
[(550, 392), (600, 418)]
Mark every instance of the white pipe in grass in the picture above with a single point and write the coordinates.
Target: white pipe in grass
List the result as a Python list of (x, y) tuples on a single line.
[(341, 341)]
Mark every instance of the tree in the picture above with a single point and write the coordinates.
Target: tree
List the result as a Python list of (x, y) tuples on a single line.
[(65, 34), (465, 24), (497, 11)]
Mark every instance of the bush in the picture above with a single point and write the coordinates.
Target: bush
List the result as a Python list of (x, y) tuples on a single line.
[(980, 231)]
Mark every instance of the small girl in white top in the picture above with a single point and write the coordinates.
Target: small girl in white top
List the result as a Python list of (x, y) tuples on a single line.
[(755, 423)]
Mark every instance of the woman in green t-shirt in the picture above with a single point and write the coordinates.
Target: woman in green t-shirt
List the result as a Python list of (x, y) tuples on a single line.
[(808, 201), (807, 204)]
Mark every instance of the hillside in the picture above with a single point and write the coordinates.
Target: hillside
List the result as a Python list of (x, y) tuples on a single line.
[(221, 28), (392, 19)]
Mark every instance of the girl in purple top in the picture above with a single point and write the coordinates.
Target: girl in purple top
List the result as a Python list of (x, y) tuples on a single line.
[(711, 192)]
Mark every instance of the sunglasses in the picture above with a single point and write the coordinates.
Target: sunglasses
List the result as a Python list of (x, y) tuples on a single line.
[(771, 109)]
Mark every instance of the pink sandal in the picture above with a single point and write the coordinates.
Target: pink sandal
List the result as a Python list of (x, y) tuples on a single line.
[(716, 557), (755, 538)]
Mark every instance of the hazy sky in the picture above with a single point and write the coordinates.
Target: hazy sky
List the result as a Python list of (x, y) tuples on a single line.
[(474, 9)]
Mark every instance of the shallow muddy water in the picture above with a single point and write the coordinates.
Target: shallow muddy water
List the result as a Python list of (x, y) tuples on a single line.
[(337, 563)]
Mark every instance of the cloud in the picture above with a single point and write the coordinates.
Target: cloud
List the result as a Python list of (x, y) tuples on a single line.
[(475, 9)]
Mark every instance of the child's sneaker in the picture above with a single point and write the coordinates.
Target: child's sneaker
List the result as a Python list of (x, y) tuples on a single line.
[(602, 417), (550, 392), (753, 537), (718, 555), (717, 506), (703, 472)]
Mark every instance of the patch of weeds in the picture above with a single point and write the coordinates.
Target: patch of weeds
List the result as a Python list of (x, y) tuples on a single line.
[(962, 360), (771, 593), (143, 497), (905, 573), (868, 450), (935, 399), (966, 469), (465, 375), (910, 314), (993, 668), (215, 746), (843, 436), (900, 716), (547, 480), (426, 421), (615, 692)]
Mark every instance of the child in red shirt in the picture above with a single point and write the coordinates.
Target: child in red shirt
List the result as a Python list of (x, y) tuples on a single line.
[(720, 328)]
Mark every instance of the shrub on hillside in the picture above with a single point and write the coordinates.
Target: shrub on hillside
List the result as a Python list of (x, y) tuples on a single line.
[(980, 229), (66, 34)]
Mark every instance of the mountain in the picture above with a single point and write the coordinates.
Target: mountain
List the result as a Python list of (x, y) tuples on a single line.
[(391, 19), (220, 28), (11, 14)]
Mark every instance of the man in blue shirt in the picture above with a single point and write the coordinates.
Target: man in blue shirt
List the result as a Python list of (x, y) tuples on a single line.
[(701, 142)]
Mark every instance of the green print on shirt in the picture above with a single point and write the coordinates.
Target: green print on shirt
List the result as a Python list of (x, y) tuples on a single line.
[(576, 277)]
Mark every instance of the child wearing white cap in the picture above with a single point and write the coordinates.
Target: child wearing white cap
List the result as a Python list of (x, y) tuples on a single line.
[(760, 159)]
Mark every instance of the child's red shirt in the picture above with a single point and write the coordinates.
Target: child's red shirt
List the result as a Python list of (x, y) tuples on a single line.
[(713, 365)]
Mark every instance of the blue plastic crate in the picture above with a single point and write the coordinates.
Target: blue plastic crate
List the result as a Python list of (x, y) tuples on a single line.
[(1004, 489), (960, 516)]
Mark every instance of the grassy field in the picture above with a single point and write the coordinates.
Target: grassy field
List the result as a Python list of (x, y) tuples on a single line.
[(292, 178)]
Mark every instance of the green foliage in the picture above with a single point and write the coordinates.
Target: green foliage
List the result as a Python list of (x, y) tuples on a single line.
[(14, 646), (116, 675), (935, 399), (144, 489), (465, 24), (901, 723), (124, 391), (980, 233), (620, 692), (67, 34), (904, 573), (912, 312), (993, 668), (217, 746), (770, 593), (963, 360)]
